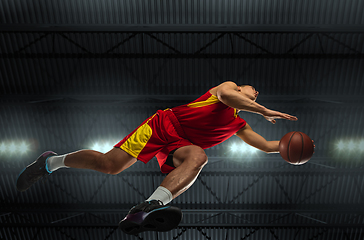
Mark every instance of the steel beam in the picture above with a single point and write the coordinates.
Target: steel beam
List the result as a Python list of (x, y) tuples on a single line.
[(193, 208), (190, 226), (185, 28), (245, 170), (155, 100), (177, 56)]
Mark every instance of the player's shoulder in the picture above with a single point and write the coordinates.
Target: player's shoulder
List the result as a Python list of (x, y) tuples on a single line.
[(227, 85), (231, 83)]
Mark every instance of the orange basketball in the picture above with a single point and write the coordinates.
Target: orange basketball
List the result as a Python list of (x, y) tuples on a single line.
[(296, 148)]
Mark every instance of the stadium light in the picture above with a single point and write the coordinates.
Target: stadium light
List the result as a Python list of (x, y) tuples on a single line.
[(340, 145), (252, 150), (97, 147), (242, 148), (23, 148), (102, 146), (350, 146), (3, 147), (361, 145), (106, 147), (234, 147), (11, 148)]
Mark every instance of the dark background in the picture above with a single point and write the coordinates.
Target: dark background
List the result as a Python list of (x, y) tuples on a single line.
[(74, 73)]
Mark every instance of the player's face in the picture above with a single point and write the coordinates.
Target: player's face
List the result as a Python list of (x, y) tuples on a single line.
[(250, 92)]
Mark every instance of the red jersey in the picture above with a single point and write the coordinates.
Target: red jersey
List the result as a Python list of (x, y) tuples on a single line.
[(207, 122), (204, 122)]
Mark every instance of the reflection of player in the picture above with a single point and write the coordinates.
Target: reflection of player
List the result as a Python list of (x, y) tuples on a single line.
[(177, 137)]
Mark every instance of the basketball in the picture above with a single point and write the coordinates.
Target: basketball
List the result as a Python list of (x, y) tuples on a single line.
[(296, 148)]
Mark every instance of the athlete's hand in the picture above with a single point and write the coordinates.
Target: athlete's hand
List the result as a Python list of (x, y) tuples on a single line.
[(272, 115)]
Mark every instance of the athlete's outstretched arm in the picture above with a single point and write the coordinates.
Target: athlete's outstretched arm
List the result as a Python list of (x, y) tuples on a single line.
[(230, 94), (254, 139)]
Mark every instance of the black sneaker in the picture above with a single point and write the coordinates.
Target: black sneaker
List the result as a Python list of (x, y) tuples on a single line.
[(151, 216), (34, 172)]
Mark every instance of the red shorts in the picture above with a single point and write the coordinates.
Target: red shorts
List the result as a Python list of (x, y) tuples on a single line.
[(157, 136)]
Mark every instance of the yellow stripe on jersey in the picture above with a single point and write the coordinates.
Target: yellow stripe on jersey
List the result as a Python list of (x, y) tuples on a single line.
[(136, 142), (235, 113), (211, 100)]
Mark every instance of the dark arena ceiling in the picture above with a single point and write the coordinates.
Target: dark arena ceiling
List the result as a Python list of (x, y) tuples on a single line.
[(78, 74)]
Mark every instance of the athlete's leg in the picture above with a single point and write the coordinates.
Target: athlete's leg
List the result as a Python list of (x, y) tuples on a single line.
[(189, 161), (112, 162), (154, 214)]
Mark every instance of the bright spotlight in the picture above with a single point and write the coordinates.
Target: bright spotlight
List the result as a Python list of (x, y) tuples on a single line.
[(12, 148), (351, 145), (252, 149), (234, 147), (361, 146), (96, 147), (23, 148), (101, 147), (340, 145), (106, 147), (242, 148), (3, 147)]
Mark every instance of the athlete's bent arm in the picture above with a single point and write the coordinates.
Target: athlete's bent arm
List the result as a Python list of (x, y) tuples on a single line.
[(254, 139), (234, 96), (228, 93)]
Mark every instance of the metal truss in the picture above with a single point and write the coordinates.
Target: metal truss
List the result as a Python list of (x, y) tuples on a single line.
[(177, 56), (295, 205), (206, 218), (184, 28), (161, 100), (213, 209), (16, 215), (241, 232), (165, 42)]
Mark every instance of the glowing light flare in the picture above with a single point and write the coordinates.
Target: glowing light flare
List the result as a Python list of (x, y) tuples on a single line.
[(96, 147), (234, 147), (252, 150), (340, 145), (3, 147), (23, 148), (13, 147), (106, 147), (103, 147), (350, 146), (242, 148), (361, 146)]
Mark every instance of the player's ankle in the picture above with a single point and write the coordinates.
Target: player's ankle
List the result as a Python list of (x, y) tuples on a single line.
[(56, 162), (162, 194)]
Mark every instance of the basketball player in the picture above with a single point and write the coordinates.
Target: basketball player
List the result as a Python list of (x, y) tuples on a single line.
[(177, 137)]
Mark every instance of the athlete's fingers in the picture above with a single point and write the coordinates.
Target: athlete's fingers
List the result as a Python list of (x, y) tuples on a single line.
[(313, 146), (289, 117)]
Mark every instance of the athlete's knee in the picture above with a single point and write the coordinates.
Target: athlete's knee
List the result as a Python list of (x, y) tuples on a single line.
[(115, 161), (107, 165), (198, 159), (194, 155), (202, 159)]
